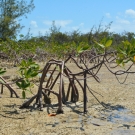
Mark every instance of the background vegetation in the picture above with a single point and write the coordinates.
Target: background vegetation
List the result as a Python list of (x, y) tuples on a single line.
[(53, 44)]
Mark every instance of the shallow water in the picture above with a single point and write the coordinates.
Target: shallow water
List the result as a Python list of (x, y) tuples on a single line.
[(120, 118), (121, 115), (123, 132)]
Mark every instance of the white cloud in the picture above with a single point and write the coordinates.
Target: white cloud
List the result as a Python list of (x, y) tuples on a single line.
[(108, 15), (130, 12), (78, 27), (81, 24), (39, 31), (34, 23), (47, 22), (123, 25), (61, 23), (122, 21)]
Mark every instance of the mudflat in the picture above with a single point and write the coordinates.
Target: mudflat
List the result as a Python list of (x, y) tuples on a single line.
[(118, 118)]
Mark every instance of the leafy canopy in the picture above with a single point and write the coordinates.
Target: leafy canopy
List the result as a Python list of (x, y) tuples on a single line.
[(10, 13)]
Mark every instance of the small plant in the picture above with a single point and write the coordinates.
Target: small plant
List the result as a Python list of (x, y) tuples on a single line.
[(28, 70), (2, 71), (103, 45), (126, 52), (81, 48)]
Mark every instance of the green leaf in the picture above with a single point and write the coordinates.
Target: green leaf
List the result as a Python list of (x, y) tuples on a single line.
[(23, 94), (119, 61), (34, 74), (132, 53), (23, 63), (103, 41), (86, 47), (22, 68), (122, 51), (36, 66), (79, 47), (101, 45), (108, 43), (133, 42), (126, 42), (18, 84), (25, 84), (128, 49), (29, 62), (80, 51), (28, 73), (2, 71)]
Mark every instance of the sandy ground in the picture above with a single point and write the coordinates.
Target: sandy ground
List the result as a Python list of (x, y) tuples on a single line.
[(118, 119)]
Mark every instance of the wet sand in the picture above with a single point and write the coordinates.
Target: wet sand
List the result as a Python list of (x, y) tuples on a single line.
[(117, 119)]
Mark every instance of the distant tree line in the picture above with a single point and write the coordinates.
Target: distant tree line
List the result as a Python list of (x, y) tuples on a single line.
[(58, 37), (12, 10), (55, 42)]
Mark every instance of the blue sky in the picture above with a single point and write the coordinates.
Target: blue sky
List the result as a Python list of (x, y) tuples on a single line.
[(80, 15)]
